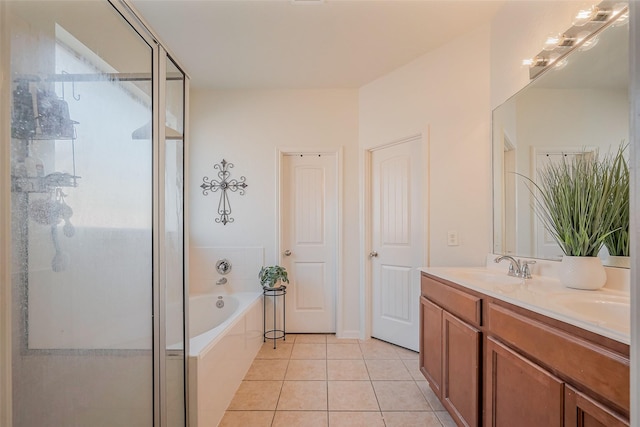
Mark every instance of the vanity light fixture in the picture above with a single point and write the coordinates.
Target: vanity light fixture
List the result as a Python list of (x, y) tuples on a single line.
[(567, 41), (561, 64), (582, 34), (602, 16), (622, 19), (588, 44), (536, 62)]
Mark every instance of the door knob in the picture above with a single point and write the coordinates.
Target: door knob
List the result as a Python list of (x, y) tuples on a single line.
[(373, 254), (287, 253)]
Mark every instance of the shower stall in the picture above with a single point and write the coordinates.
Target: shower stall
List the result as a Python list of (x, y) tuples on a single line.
[(92, 144)]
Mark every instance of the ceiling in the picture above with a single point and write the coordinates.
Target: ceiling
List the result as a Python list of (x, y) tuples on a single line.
[(305, 44)]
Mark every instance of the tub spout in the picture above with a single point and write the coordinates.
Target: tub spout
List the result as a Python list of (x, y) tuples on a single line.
[(221, 281)]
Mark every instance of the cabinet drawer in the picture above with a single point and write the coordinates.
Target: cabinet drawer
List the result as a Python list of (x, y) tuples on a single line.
[(596, 369), (462, 304)]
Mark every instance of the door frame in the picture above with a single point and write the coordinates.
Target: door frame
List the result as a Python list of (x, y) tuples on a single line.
[(338, 155), (366, 223)]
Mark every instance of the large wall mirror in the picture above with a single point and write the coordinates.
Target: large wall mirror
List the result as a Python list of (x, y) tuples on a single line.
[(579, 104)]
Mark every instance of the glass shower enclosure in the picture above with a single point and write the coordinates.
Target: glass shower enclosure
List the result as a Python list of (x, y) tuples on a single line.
[(95, 187)]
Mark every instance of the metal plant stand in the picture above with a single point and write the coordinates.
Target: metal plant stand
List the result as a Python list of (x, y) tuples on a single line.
[(274, 334)]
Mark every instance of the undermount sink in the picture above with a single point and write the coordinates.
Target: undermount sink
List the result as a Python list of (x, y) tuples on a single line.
[(606, 310), (492, 277)]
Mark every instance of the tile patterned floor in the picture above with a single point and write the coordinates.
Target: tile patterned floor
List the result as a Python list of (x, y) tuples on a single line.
[(319, 380)]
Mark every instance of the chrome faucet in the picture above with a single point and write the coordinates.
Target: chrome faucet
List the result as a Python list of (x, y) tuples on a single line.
[(517, 268)]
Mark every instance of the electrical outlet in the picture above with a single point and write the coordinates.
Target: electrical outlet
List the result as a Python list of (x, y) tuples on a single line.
[(452, 238)]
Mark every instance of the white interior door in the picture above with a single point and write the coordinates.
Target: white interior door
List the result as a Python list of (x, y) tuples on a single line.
[(397, 242), (309, 218)]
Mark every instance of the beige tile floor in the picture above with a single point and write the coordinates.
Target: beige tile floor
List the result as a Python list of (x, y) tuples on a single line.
[(319, 380)]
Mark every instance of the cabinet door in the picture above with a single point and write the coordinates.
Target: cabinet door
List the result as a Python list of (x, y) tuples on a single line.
[(431, 344), (461, 370), (518, 392), (582, 411)]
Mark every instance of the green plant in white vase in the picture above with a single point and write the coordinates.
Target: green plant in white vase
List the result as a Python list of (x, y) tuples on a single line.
[(577, 201), (617, 242), (272, 276)]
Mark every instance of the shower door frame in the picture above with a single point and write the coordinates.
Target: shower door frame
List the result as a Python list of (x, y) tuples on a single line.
[(160, 54), (5, 227)]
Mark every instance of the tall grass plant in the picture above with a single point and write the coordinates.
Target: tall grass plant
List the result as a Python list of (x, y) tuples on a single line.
[(578, 202), (617, 242)]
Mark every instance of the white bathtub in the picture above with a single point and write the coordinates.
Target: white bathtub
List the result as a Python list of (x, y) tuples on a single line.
[(224, 341)]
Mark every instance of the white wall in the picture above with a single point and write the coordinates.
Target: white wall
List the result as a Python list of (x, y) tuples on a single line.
[(447, 94), (444, 93), (246, 128)]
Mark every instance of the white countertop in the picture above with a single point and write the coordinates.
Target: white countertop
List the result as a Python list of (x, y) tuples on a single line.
[(605, 312)]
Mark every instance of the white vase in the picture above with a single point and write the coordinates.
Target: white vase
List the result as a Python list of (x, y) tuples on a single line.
[(582, 272)]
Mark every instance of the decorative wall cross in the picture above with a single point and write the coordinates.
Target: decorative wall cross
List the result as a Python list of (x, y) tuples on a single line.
[(224, 184)]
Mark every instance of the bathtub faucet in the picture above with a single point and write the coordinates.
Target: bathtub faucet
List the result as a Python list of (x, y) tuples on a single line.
[(221, 281)]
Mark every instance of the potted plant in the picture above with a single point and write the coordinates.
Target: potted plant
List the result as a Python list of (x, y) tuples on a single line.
[(617, 242), (272, 276), (578, 202)]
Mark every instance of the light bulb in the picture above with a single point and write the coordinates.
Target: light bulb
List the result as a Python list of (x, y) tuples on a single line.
[(551, 42), (584, 16)]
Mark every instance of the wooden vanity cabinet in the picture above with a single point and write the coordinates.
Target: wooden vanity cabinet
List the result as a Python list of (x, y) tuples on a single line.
[(450, 349), (495, 364)]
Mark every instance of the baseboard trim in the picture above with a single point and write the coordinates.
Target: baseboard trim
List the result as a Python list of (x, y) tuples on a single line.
[(353, 334)]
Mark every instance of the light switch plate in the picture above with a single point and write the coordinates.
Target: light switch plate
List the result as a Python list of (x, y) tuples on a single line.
[(452, 238)]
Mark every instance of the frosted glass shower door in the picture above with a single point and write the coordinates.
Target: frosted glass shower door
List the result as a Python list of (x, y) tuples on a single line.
[(82, 217)]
